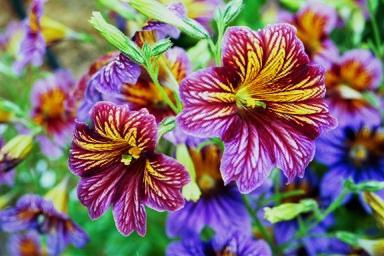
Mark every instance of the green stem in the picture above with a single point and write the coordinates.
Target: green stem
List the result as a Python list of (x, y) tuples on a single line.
[(375, 28), (220, 29), (258, 223), (154, 76)]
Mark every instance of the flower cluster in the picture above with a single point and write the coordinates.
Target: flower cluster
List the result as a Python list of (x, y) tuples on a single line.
[(202, 136)]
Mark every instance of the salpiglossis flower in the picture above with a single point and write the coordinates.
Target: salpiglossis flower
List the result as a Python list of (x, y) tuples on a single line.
[(54, 109), (118, 167), (314, 22), (27, 244), (265, 102), (354, 75), (35, 213), (355, 152)]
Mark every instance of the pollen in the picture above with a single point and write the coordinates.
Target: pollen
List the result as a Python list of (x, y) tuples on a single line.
[(243, 100)]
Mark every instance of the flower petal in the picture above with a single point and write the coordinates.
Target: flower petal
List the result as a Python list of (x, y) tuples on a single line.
[(115, 130), (96, 192), (209, 102), (112, 76), (163, 180), (128, 210)]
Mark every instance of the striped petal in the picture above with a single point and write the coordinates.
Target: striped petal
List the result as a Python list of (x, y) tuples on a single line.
[(163, 180), (114, 132)]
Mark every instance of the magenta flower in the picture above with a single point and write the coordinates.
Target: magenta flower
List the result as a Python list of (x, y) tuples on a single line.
[(356, 73), (265, 103), (117, 164)]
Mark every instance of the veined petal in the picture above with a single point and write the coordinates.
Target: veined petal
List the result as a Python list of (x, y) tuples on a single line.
[(163, 180), (209, 102), (112, 76), (96, 192), (128, 210), (116, 129)]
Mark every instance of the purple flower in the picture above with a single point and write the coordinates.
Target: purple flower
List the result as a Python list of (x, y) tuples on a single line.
[(54, 109), (219, 207), (351, 152), (225, 243), (32, 48), (25, 244), (356, 73), (33, 212)]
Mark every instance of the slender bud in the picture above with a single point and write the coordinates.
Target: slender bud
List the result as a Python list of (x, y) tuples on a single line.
[(191, 191), (289, 211), (58, 195), (377, 205), (115, 37), (161, 47), (12, 153), (157, 11), (232, 10), (368, 186)]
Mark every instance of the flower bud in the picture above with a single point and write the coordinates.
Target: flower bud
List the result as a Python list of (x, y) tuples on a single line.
[(377, 206), (372, 247), (161, 47), (157, 11), (231, 10), (191, 191), (369, 186), (12, 153), (58, 195), (288, 211), (115, 37)]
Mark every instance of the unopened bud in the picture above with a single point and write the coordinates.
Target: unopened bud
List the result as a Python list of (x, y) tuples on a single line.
[(161, 47), (12, 153), (231, 10), (288, 211)]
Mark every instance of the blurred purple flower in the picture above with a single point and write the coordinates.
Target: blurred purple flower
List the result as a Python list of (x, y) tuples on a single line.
[(54, 109), (33, 212), (219, 207), (25, 244), (353, 75), (350, 152), (314, 23), (33, 46), (224, 243)]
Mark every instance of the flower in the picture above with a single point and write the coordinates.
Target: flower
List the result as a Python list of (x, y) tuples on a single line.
[(351, 152), (117, 164), (265, 102), (356, 74), (314, 23), (225, 243), (25, 244), (33, 212), (54, 109), (219, 207)]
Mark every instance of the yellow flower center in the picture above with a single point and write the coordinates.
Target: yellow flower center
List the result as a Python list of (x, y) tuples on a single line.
[(359, 153), (206, 182), (244, 100)]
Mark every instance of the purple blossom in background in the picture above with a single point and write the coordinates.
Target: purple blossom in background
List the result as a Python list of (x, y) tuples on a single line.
[(25, 244), (225, 243), (33, 46), (351, 152), (33, 212)]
